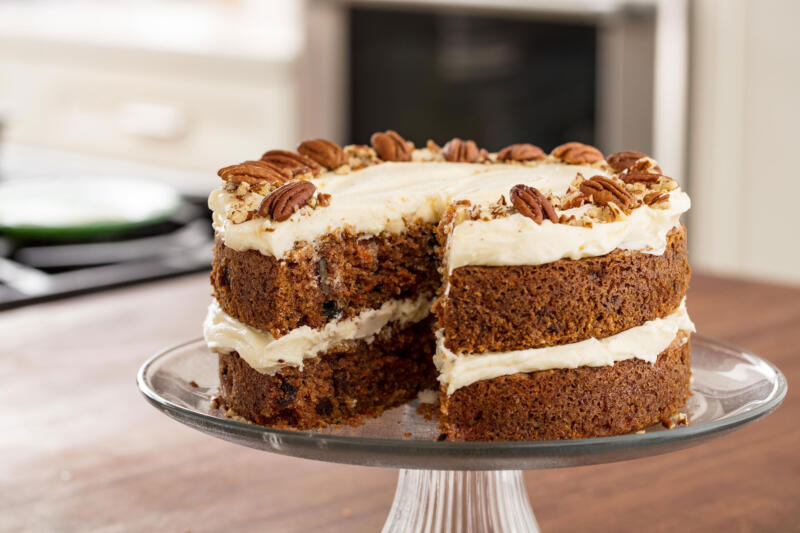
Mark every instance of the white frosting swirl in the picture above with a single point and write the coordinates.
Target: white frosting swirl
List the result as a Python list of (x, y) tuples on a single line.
[(267, 354), (642, 342)]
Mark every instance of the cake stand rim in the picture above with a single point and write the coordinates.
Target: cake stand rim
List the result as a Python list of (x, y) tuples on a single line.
[(677, 438)]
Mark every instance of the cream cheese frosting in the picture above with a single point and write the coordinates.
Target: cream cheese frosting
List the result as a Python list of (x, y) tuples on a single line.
[(518, 240), (389, 196), (643, 342), (267, 354), (385, 198)]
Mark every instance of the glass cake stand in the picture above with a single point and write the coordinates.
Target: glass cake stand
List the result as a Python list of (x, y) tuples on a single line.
[(467, 486)]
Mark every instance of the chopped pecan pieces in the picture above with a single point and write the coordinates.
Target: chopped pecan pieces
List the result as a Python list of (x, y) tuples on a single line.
[(572, 200), (432, 146), (360, 156), (532, 204), (460, 151), (323, 200), (295, 164), (521, 152), (622, 160), (282, 202), (577, 153), (645, 165), (656, 197), (605, 191), (254, 172), (326, 153), (391, 146)]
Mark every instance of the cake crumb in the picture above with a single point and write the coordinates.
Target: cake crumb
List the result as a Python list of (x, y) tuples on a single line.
[(668, 423), (193, 384), (429, 411), (428, 406), (640, 432), (407, 434)]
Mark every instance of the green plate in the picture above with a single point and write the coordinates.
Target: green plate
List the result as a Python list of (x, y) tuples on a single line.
[(82, 208)]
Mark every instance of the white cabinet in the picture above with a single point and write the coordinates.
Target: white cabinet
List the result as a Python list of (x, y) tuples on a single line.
[(192, 85)]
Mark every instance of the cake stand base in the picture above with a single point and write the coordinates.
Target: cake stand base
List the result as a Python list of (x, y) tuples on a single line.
[(456, 500)]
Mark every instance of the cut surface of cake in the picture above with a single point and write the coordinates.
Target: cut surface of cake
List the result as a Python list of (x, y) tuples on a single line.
[(543, 295)]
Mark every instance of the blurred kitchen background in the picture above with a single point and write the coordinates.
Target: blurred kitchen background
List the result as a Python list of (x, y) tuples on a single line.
[(165, 92)]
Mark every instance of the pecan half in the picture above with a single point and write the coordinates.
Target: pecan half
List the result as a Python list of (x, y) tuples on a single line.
[(326, 153), (282, 202), (521, 152), (621, 160), (292, 162), (254, 172), (391, 146), (605, 191), (532, 204), (460, 151), (577, 153), (640, 177)]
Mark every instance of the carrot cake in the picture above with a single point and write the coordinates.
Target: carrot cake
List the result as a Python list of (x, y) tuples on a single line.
[(542, 294)]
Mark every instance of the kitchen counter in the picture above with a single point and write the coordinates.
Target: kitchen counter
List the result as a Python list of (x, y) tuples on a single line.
[(81, 450)]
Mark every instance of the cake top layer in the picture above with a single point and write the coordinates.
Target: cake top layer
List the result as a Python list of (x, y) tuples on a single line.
[(288, 198)]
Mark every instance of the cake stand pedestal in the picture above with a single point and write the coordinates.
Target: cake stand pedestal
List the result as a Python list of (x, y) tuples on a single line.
[(466, 486), (457, 500)]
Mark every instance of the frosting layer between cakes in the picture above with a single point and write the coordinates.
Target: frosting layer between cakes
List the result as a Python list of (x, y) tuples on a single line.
[(643, 342), (267, 354)]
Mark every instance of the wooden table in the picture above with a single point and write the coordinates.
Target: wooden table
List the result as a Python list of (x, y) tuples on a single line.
[(81, 450)]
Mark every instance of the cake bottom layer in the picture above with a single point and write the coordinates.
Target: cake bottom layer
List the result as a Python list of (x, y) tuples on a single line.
[(571, 403), (348, 382)]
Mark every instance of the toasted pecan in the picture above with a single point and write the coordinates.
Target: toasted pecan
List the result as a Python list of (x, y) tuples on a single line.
[(655, 197), (530, 202), (604, 191), (641, 177), (254, 172), (644, 165), (620, 161), (390, 146), (521, 152), (457, 150), (281, 203), (577, 153), (326, 153), (573, 200), (294, 163)]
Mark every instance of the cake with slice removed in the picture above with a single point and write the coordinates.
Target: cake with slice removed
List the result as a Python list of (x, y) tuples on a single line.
[(542, 294)]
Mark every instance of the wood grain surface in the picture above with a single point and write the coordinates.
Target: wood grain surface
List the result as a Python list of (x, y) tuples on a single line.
[(81, 450)]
